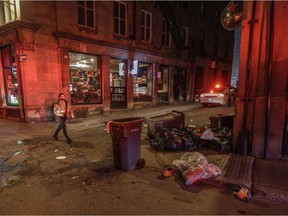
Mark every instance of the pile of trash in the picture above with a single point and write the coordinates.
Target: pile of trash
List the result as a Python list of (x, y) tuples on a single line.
[(195, 167), (174, 139)]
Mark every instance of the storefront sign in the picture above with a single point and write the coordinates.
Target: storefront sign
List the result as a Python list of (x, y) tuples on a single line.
[(23, 57)]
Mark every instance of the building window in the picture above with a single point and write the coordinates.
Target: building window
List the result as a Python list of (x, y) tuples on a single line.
[(216, 16), (226, 52), (86, 14), (9, 11), (10, 76), (120, 18), (185, 35), (166, 34), (85, 86), (146, 26), (142, 81), (202, 42), (215, 45), (199, 79), (203, 8), (185, 5)]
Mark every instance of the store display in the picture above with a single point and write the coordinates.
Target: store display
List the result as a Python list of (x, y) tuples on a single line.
[(85, 86)]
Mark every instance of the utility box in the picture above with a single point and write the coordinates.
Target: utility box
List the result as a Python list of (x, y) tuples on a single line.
[(174, 119), (222, 121), (126, 139)]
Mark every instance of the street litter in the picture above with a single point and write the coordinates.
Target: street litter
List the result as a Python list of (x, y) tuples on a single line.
[(16, 153), (75, 177), (187, 138), (195, 167), (167, 171), (175, 139), (242, 193), (61, 157)]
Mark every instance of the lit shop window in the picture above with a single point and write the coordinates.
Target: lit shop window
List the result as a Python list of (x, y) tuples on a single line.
[(117, 80), (9, 11), (142, 81), (85, 84), (11, 86), (10, 76)]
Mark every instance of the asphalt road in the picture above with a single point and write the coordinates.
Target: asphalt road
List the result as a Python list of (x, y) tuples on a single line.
[(34, 181)]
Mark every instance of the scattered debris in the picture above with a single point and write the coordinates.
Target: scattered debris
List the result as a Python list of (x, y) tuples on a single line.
[(61, 157), (167, 171), (195, 167), (75, 177), (242, 193), (217, 139)]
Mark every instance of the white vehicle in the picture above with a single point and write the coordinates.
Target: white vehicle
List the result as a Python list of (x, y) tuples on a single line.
[(218, 96)]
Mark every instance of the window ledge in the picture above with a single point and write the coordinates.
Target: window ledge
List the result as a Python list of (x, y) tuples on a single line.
[(18, 24), (87, 29)]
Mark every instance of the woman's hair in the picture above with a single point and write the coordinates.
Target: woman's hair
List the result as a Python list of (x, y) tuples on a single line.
[(60, 95)]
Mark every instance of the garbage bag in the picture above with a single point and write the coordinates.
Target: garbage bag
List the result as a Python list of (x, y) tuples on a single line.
[(208, 135), (175, 139), (195, 167)]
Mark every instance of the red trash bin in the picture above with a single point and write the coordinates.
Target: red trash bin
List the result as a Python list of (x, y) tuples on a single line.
[(126, 139)]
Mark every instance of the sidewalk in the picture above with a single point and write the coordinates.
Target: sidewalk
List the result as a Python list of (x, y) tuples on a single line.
[(270, 177)]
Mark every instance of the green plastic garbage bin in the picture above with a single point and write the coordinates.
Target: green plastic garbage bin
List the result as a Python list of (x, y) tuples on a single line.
[(126, 139)]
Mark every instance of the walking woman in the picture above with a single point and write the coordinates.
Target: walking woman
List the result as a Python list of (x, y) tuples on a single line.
[(62, 110)]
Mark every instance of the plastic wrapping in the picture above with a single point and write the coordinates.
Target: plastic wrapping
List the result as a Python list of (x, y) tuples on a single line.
[(195, 167)]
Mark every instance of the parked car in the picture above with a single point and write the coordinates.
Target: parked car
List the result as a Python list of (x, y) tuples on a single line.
[(219, 95)]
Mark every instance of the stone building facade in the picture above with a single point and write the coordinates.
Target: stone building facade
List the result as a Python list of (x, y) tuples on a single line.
[(108, 55), (261, 105)]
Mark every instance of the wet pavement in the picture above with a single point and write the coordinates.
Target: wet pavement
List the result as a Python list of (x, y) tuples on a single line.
[(21, 142)]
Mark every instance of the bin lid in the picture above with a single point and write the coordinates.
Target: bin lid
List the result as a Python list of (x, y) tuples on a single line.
[(127, 120)]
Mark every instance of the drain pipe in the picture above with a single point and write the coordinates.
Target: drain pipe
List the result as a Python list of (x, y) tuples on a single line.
[(268, 73), (243, 143)]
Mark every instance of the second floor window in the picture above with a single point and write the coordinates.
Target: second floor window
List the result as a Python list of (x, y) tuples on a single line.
[(185, 35), (166, 35), (120, 18), (202, 42), (86, 13), (215, 45), (9, 11), (203, 8), (146, 26), (216, 16), (226, 52)]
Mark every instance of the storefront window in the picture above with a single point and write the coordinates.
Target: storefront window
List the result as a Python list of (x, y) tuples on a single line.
[(142, 81), (11, 86), (10, 76), (85, 79)]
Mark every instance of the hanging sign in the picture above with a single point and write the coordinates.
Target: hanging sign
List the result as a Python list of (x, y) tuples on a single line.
[(232, 15), (23, 57)]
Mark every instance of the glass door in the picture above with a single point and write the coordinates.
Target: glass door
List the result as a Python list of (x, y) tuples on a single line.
[(118, 97)]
